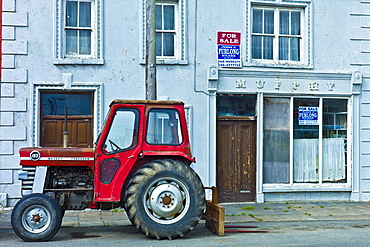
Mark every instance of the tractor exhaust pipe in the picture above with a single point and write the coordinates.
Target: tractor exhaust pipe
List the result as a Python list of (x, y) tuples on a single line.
[(65, 133)]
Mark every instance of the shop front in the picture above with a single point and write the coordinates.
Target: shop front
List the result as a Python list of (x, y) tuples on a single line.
[(284, 136)]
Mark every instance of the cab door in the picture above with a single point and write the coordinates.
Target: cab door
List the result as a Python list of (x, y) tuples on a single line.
[(117, 151)]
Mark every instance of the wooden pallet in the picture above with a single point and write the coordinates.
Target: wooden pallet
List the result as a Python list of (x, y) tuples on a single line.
[(215, 214)]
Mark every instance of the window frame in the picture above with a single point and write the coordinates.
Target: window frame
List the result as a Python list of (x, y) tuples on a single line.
[(321, 185), (180, 54), (163, 31), (60, 55), (175, 130), (135, 129), (78, 29), (305, 27)]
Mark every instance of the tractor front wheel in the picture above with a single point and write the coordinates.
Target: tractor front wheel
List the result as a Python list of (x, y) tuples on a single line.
[(165, 199), (36, 217)]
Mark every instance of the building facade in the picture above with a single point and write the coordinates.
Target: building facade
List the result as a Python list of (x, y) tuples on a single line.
[(277, 92)]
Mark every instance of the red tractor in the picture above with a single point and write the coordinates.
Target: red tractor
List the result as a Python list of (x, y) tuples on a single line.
[(141, 162)]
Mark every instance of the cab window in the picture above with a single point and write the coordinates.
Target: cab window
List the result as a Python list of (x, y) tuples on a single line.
[(164, 127), (123, 131)]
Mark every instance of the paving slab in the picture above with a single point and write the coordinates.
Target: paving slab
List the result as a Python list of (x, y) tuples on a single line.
[(234, 213)]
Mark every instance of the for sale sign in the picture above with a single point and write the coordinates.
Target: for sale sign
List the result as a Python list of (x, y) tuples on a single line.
[(308, 115), (228, 38), (228, 49)]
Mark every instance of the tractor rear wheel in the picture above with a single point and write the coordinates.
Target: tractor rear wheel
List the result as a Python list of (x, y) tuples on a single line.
[(165, 199), (36, 217)]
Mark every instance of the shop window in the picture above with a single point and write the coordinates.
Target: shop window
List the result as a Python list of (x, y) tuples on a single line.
[(305, 140), (276, 140), (334, 140)]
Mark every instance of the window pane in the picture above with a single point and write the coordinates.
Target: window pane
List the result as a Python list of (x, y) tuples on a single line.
[(276, 140), (85, 42), (284, 22), (71, 42), (169, 17), (334, 140), (256, 47), (283, 48), (257, 21), (158, 48), (85, 14), (122, 134), (158, 17), (71, 14), (164, 128), (236, 105), (168, 44), (77, 104), (294, 49), (269, 22), (306, 140), (296, 23), (267, 47)]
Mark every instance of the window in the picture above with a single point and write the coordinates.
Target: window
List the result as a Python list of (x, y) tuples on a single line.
[(54, 104), (164, 127), (236, 105), (276, 34), (78, 28), (280, 35), (170, 32), (123, 131), (305, 140), (77, 36), (165, 30)]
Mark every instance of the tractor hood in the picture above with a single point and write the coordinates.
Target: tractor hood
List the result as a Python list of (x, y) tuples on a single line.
[(49, 156)]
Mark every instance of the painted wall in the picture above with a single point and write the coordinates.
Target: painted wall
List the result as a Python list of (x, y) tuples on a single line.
[(339, 44)]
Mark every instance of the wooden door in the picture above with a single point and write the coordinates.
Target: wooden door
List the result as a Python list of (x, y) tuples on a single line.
[(236, 159), (79, 109), (79, 131)]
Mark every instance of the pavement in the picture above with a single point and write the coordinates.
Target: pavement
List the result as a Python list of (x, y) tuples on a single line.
[(234, 213)]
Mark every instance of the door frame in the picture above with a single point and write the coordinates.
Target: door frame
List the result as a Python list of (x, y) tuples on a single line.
[(94, 87)]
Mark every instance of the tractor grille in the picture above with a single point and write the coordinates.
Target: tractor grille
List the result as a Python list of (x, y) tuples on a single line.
[(27, 183)]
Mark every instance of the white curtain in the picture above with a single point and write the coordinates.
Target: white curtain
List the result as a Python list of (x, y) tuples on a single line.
[(334, 160), (305, 160)]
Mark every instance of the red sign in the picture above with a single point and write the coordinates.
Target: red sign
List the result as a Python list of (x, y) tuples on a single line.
[(228, 38)]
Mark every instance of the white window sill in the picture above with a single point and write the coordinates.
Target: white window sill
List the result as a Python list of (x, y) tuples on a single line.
[(273, 65), (167, 62), (306, 187), (77, 61)]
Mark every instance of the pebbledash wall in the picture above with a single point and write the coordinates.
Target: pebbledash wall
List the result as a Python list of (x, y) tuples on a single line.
[(334, 65)]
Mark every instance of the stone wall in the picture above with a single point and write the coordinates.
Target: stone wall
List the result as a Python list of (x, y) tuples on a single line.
[(12, 131)]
